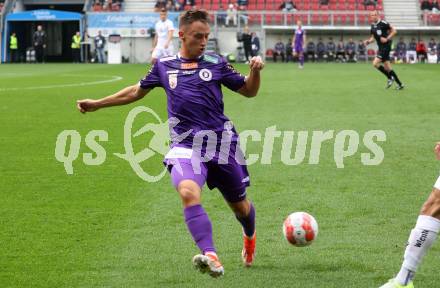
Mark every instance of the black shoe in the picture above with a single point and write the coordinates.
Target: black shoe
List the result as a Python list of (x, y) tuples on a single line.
[(389, 83), (400, 87)]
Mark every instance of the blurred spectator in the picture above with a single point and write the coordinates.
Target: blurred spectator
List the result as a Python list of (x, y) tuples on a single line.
[(76, 47), (39, 41), (247, 43), (160, 4), (242, 2), (432, 45), (370, 2), (255, 44), (242, 14), (426, 6), (331, 49), (311, 51), (438, 52), (99, 47), (288, 6), (289, 54), (411, 54), (435, 7), (400, 50), (231, 15), (362, 51), (279, 51), (421, 51), (340, 52), (323, 2), (320, 50), (170, 6), (221, 15), (190, 3), (13, 48), (350, 50)]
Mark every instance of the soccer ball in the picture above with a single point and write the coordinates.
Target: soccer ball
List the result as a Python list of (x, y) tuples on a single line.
[(300, 229)]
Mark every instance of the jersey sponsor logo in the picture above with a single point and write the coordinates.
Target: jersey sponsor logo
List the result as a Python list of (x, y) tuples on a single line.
[(172, 80), (168, 58), (191, 65), (379, 32), (188, 72), (210, 59), (205, 75)]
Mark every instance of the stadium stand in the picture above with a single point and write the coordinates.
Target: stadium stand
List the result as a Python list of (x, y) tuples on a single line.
[(311, 12)]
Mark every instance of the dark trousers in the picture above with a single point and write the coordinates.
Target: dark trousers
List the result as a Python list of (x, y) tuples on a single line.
[(39, 53), (247, 52), (275, 56), (14, 55), (76, 55)]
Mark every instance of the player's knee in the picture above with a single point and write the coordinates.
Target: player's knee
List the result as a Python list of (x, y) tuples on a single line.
[(432, 206), (189, 193)]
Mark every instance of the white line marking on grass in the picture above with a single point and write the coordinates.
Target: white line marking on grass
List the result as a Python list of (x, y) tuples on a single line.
[(112, 79)]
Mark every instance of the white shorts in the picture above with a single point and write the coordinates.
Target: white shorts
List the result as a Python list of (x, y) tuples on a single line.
[(160, 52)]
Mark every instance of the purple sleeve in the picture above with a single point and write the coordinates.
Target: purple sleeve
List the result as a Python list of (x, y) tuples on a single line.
[(231, 78), (152, 79)]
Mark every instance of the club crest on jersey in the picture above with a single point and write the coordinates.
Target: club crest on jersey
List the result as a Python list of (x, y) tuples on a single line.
[(191, 65), (205, 75), (172, 80)]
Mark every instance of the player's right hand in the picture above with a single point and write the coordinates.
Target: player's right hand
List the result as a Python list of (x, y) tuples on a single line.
[(256, 63), (437, 150), (86, 105)]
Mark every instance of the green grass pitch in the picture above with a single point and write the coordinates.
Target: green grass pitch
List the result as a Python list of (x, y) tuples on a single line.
[(105, 227)]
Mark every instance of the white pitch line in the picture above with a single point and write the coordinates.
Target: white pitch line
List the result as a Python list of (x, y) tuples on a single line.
[(113, 79)]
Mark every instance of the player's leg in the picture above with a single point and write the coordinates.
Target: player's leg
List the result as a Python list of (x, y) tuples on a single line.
[(232, 179), (420, 240), (245, 213), (301, 59), (189, 186), (377, 63), (389, 69)]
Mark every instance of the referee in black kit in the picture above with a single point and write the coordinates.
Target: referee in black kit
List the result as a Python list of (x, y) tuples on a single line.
[(383, 32)]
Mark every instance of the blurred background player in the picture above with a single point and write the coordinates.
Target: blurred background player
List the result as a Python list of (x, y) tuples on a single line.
[(383, 32), (422, 237), (299, 40), (195, 103), (163, 38)]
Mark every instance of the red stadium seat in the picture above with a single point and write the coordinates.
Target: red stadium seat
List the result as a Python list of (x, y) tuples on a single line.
[(316, 19), (326, 19), (350, 19)]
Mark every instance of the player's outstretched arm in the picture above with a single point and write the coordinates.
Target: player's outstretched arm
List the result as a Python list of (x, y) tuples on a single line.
[(252, 84), (369, 40), (125, 96)]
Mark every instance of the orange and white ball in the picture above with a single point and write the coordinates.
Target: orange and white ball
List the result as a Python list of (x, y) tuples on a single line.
[(300, 229)]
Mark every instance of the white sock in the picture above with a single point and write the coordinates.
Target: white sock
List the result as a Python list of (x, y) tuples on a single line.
[(420, 240)]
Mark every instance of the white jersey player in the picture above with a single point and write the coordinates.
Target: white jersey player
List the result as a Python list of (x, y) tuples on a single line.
[(163, 38)]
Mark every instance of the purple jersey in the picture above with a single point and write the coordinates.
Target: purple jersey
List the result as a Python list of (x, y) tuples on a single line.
[(193, 88), (299, 39)]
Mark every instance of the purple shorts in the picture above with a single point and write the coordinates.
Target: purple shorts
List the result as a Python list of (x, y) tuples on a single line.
[(231, 178), (298, 49)]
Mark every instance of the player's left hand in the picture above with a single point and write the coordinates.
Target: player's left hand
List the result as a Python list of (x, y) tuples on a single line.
[(383, 40), (166, 45), (256, 63), (437, 150)]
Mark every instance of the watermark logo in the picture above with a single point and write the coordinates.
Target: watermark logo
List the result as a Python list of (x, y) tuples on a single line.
[(292, 147)]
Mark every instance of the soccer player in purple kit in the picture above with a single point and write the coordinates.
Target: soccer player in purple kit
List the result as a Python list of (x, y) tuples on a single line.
[(299, 40), (192, 81)]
